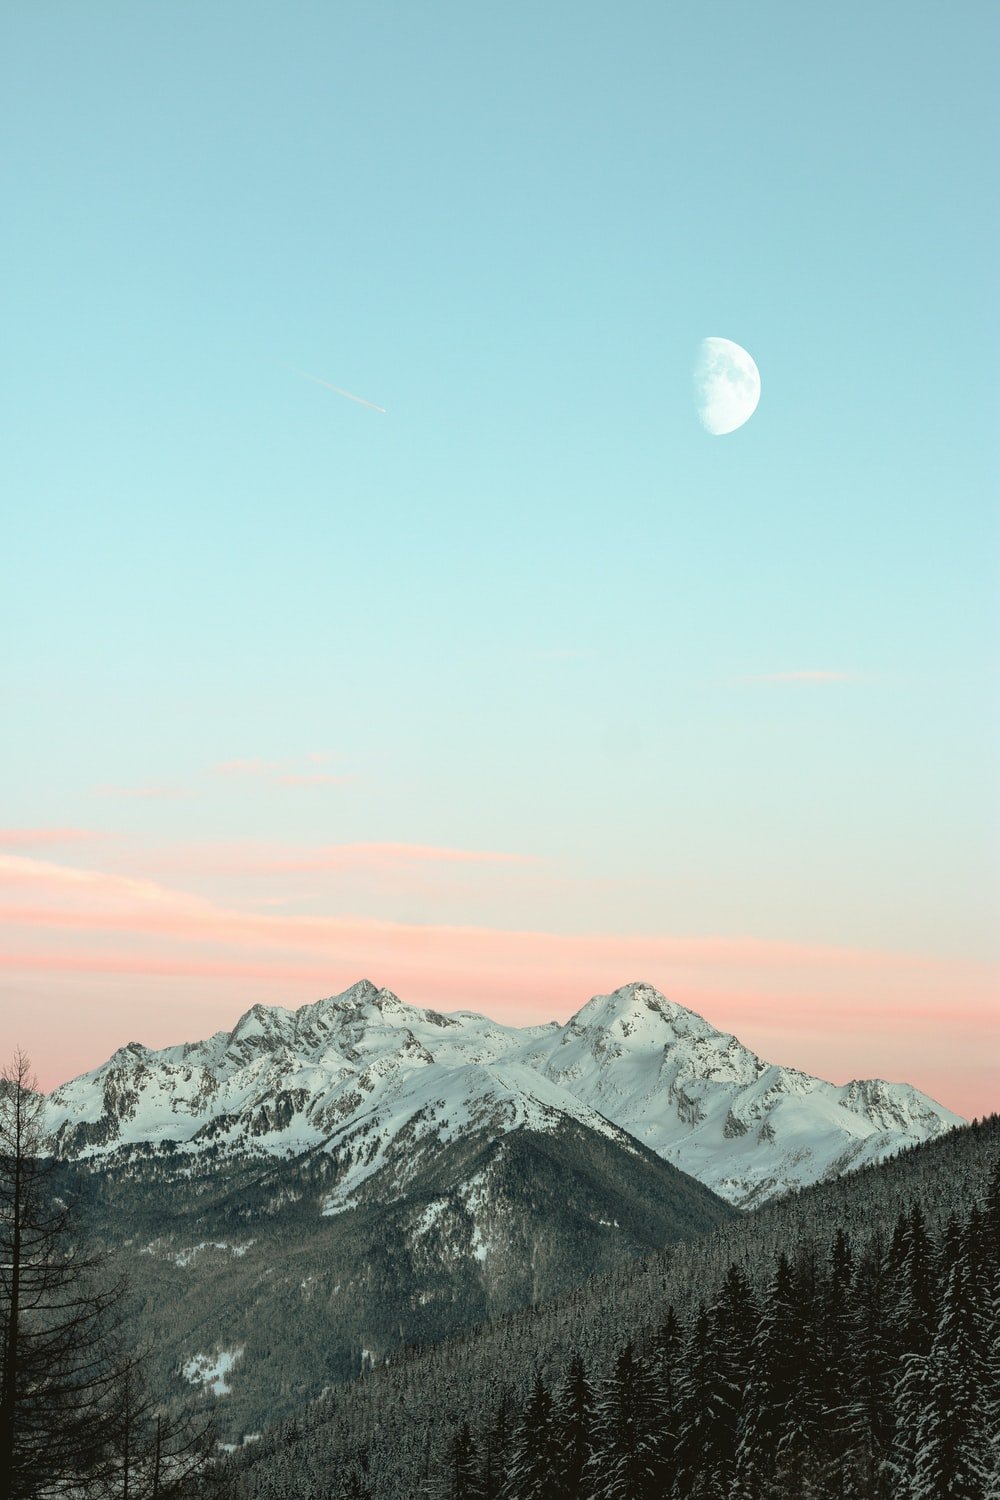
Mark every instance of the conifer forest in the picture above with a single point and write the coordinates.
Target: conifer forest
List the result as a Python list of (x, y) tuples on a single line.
[(842, 1344)]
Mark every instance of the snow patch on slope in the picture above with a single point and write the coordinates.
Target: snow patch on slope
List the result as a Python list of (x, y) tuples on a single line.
[(212, 1371)]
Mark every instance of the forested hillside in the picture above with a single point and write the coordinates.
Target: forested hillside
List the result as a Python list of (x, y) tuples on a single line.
[(234, 1260), (841, 1342)]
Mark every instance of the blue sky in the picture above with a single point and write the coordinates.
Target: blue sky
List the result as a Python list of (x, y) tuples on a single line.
[(533, 608)]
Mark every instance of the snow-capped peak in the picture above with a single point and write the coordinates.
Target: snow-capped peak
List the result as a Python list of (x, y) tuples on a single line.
[(637, 1009), (258, 1022), (360, 996)]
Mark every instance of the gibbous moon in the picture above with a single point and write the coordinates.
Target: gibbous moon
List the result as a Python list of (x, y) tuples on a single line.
[(726, 385)]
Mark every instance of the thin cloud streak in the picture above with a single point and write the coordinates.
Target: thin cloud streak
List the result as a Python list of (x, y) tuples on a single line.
[(246, 767), (314, 778), (282, 773), (185, 861), (152, 793), (804, 676), (339, 391), (377, 855)]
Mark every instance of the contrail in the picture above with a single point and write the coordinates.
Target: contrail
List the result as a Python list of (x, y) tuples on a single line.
[(339, 391)]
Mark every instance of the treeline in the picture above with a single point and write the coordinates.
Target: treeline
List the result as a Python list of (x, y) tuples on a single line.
[(868, 1372)]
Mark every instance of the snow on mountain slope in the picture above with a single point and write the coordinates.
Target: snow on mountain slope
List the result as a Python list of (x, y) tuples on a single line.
[(379, 1082), (442, 1104)]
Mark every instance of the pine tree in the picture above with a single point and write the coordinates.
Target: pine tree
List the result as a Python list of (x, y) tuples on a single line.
[(978, 1252), (768, 1452), (951, 1457), (625, 1461), (840, 1456), (354, 1486), (734, 1318), (989, 1280), (574, 1422), (464, 1481), (708, 1411), (953, 1248), (151, 1454), (991, 1217), (870, 1417), (799, 1459), (60, 1316), (667, 1359), (497, 1447), (916, 1286), (534, 1456)]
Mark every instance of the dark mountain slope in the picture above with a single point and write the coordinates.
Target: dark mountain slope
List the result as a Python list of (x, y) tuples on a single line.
[(239, 1258)]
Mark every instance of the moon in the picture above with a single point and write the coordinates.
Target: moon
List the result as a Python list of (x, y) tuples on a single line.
[(726, 385)]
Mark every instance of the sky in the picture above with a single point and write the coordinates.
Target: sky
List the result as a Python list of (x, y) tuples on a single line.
[(525, 687)]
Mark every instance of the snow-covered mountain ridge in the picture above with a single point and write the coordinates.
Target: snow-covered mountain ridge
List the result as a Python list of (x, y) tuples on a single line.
[(382, 1082)]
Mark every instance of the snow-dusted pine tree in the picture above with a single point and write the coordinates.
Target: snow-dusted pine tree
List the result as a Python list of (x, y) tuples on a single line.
[(533, 1460), (767, 1416), (951, 1458), (463, 1459), (625, 1460), (497, 1447), (574, 1425)]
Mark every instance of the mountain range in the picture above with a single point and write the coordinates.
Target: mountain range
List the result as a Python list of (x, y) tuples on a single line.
[(382, 1087)]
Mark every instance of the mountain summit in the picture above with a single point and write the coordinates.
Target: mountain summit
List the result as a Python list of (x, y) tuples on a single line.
[(380, 1083)]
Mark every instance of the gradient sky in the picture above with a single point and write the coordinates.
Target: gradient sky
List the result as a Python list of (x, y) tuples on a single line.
[(528, 687)]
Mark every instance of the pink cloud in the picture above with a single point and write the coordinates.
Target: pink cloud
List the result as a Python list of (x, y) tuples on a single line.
[(42, 872), (281, 772), (249, 857), (37, 838), (344, 856), (100, 900), (839, 1012), (249, 767)]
